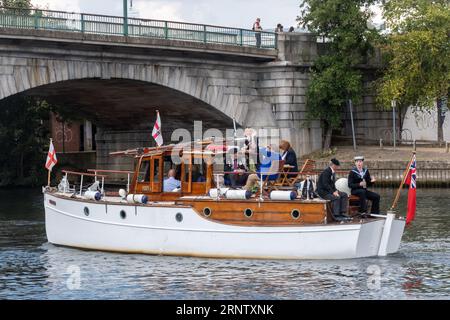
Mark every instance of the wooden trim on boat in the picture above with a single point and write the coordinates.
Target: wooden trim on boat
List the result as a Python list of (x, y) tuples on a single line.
[(267, 213)]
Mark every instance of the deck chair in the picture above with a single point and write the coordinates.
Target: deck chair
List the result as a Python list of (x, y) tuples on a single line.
[(308, 168), (272, 175)]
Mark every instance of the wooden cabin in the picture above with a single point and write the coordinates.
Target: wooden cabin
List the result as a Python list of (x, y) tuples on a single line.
[(197, 177), (195, 172)]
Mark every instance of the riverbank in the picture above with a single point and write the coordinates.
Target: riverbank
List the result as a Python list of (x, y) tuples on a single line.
[(385, 154), (387, 165)]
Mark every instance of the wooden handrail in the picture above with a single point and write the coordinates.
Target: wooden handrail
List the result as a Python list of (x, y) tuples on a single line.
[(83, 174), (110, 171)]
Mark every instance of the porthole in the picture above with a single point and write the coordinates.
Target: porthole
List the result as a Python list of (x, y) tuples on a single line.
[(179, 217), (207, 211), (248, 212), (295, 214), (86, 211), (123, 214)]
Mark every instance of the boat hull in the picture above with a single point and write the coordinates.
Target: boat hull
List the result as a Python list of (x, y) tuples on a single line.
[(179, 230)]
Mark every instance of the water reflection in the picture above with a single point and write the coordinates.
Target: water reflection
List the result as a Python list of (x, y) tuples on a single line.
[(31, 268)]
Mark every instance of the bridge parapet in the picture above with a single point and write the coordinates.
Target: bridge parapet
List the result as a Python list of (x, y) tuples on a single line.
[(133, 27)]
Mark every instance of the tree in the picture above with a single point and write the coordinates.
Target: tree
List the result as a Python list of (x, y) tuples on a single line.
[(336, 77), (417, 52), (21, 4), (24, 139)]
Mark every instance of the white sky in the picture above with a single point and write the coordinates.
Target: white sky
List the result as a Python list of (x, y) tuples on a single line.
[(230, 13)]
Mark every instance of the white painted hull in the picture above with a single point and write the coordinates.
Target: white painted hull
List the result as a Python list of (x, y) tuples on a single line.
[(155, 230)]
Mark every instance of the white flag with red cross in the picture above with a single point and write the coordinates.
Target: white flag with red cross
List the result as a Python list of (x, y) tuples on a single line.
[(51, 157), (156, 133)]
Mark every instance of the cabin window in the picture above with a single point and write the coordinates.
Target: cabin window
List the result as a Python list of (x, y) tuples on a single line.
[(186, 172), (156, 173), (199, 172), (144, 171), (168, 164)]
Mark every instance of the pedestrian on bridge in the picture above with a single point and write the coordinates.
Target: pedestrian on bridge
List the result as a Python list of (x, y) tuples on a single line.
[(257, 28)]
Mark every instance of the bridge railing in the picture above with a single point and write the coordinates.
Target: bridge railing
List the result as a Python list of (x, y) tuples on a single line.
[(114, 25)]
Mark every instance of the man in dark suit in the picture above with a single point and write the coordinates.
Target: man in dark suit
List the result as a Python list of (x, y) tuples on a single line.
[(359, 180), (327, 190)]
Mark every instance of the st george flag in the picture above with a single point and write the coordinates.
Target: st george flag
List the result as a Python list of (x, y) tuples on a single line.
[(51, 157), (411, 180), (156, 133)]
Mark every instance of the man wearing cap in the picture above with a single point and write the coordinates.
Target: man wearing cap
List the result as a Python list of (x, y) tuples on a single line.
[(358, 180), (326, 189)]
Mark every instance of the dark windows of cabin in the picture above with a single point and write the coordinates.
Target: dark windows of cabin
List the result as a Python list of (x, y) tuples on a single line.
[(156, 173), (192, 174), (167, 165), (144, 171), (199, 172)]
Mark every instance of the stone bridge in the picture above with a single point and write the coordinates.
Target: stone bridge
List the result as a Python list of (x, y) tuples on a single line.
[(118, 82)]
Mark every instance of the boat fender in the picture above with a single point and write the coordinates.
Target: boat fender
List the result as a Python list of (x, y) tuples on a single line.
[(238, 194), (93, 195), (283, 195), (137, 198), (213, 192), (123, 193)]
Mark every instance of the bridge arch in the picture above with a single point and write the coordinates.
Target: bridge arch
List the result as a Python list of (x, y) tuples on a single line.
[(35, 74)]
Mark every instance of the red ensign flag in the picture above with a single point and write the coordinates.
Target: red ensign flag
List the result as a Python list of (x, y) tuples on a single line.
[(411, 180), (51, 157)]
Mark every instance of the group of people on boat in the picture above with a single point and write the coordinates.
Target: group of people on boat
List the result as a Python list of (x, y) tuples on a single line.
[(358, 178), (239, 174), (237, 171)]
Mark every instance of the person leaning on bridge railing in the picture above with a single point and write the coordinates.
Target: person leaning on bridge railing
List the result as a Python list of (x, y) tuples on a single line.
[(257, 28)]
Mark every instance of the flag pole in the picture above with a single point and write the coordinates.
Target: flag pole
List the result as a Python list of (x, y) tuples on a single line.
[(157, 113), (50, 170), (405, 174)]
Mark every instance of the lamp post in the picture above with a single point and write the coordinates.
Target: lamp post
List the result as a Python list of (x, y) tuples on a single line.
[(393, 123), (125, 17), (350, 105)]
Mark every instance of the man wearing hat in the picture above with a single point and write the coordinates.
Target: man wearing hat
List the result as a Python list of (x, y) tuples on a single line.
[(358, 180), (326, 189)]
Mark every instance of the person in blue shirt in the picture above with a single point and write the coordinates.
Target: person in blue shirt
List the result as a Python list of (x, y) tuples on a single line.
[(170, 183), (267, 156)]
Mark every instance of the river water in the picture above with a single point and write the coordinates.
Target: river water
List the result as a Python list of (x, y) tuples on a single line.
[(31, 268)]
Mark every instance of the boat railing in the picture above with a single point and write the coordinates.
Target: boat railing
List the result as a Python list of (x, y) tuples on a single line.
[(82, 175), (128, 173)]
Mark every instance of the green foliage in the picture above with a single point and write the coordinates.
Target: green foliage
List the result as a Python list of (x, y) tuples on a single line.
[(24, 140), (333, 82), (21, 4), (417, 51), (343, 23), (335, 75)]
